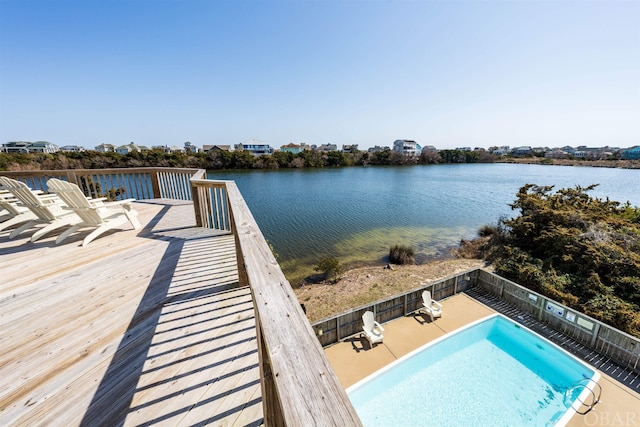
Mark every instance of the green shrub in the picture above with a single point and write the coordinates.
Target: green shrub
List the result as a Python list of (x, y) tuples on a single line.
[(330, 267), (399, 254)]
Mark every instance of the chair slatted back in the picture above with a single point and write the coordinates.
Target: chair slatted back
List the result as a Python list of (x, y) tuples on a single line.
[(368, 320), (46, 211), (7, 202), (426, 298), (75, 199)]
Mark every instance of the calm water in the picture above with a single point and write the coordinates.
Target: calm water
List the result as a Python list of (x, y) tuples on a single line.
[(357, 213), (494, 373)]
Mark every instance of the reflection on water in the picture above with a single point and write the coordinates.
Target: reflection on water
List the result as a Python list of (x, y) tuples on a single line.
[(356, 214)]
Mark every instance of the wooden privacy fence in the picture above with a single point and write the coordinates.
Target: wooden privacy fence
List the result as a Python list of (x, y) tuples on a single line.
[(606, 340), (335, 328), (120, 183)]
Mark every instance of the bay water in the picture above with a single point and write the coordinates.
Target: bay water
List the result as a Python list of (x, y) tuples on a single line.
[(356, 213)]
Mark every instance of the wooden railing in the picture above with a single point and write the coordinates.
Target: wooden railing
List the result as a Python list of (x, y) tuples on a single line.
[(336, 328), (299, 386), (136, 183), (606, 340)]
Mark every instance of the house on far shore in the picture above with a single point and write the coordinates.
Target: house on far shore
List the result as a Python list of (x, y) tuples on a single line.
[(167, 149), (522, 151), (326, 147), (72, 149), (378, 149), (190, 148), (632, 153), (292, 148), (210, 148), (352, 148), (255, 147), (21, 147), (130, 147), (30, 147), (407, 147), (105, 148)]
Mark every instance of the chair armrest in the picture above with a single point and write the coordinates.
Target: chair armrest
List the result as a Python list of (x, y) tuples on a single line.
[(436, 303), (379, 326)]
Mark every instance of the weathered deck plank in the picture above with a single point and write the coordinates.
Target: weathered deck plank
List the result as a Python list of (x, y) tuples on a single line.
[(139, 327)]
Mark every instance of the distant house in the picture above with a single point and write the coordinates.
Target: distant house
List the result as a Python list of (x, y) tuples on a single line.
[(463, 149), (522, 151), (130, 147), (105, 148), (43, 147), (378, 149), (632, 153), (167, 149), (292, 148), (210, 148), (327, 147), (190, 148), (21, 147), (556, 153), (352, 148), (407, 147), (500, 151), (255, 147), (72, 149)]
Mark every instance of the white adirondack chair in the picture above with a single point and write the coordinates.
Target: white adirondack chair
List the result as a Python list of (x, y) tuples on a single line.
[(13, 213), (45, 209), (372, 329), (93, 213), (431, 307)]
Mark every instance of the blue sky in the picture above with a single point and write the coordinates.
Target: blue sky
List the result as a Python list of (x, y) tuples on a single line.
[(444, 73)]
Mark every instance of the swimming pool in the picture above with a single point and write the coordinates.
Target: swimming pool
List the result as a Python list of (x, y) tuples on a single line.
[(493, 372)]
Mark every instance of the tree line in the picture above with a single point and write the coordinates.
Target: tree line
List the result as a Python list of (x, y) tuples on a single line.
[(232, 159)]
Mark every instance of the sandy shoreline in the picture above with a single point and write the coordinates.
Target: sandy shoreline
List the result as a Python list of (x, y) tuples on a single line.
[(362, 285)]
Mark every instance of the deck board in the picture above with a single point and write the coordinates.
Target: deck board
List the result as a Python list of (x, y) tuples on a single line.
[(144, 327)]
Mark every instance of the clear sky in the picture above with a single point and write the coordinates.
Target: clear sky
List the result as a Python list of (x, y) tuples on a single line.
[(444, 73)]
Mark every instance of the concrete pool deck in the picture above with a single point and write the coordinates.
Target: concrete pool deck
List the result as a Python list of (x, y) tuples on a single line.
[(353, 359)]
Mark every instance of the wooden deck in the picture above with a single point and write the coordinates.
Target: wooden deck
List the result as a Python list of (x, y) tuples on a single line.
[(144, 327)]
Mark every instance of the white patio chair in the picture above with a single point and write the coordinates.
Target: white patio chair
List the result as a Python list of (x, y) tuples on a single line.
[(93, 213), (372, 329), (12, 213), (430, 307)]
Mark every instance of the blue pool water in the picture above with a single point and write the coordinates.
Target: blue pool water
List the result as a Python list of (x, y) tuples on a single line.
[(494, 373)]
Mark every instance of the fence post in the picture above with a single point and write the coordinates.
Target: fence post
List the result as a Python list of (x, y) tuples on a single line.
[(594, 335), (541, 308), (338, 329)]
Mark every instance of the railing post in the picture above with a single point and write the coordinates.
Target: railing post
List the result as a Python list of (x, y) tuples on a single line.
[(196, 203), (155, 183)]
